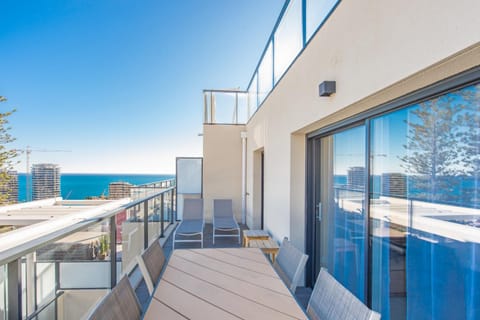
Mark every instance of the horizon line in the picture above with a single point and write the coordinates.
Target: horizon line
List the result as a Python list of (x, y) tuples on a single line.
[(103, 173)]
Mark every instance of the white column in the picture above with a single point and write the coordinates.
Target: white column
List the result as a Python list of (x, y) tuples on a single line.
[(243, 135)]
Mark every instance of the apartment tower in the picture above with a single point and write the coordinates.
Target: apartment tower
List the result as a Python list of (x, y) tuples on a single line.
[(119, 190), (45, 181)]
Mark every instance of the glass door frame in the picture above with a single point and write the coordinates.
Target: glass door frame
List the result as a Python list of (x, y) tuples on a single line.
[(313, 177)]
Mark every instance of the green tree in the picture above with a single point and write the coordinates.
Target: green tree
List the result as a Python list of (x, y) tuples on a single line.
[(432, 154), (470, 138), (7, 156)]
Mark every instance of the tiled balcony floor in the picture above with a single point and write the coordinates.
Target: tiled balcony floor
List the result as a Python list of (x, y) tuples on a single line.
[(302, 294)]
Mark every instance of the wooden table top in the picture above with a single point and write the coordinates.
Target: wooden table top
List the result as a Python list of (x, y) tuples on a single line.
[(234, 283)]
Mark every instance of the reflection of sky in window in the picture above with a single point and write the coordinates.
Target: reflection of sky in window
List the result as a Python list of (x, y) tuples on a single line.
[(349, 150), (390, 132), (388, 138)]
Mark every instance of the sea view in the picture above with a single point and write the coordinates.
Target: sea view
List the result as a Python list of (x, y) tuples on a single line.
[(76, 186)]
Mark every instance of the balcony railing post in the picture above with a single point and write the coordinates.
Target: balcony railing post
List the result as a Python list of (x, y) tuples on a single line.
[(113, 251), (236, 107), (162, 204), (30, 280), (212, 108), (171, 207), (145, 224), (175, 213), (205, 108), (14, 289)]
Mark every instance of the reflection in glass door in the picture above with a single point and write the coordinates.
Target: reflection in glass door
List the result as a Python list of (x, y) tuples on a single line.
[(340, 200), (421, 213)]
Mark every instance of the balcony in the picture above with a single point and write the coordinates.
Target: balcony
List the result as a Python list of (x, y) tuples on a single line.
[(226, 107), (61, 267)]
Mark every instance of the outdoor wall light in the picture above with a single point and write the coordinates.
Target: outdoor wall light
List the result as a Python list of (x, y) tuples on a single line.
[(327, 88)]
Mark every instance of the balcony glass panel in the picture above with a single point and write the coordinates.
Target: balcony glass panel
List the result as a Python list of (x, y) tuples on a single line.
[(46, 282), (317, 11), (253, 95), (48, 313), (154, 219), (80, 260), (130, 236), (226, 107), (424, 216), (288, 38), (265, 74), (79, 275)]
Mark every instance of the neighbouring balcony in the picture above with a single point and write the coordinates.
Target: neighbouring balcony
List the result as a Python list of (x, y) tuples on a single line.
[(226, 107)]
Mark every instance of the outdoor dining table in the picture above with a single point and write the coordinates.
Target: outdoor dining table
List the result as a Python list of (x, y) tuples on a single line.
[(233, 283)]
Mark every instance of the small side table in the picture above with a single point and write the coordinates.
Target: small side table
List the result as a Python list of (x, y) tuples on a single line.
[(268, 246), (254, 235)]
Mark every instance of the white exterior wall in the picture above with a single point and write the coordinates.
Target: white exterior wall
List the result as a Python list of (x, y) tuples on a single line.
[(376, 51), (222, 167)]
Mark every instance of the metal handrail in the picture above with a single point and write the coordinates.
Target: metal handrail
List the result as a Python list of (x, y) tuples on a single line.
[(58, 294)]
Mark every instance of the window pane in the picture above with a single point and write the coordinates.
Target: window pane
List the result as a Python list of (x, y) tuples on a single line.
[(317, 11), (288, 38), (343, 208), (424, 217)]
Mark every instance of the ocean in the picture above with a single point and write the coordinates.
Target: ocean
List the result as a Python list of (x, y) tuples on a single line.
[(76, 186)]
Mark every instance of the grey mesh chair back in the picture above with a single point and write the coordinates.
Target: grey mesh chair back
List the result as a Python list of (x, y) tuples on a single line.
[(331, 300), (192, 222), (224, 220), (222, 208), (151, 264), (289, 264), (120, 304), (193, 209)]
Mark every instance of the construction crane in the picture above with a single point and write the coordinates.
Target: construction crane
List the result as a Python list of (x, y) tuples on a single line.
[(27, 151)]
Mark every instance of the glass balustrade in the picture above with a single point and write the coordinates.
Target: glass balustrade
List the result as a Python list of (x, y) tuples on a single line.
[(296, 25), (65, 273)]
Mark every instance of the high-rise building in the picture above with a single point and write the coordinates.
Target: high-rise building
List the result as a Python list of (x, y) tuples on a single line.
[(394, 184), (356, 177), (119, 190), (45, 181), (10, 188)]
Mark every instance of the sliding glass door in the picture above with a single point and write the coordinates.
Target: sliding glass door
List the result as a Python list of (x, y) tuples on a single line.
[(394, 207), (340, 200)]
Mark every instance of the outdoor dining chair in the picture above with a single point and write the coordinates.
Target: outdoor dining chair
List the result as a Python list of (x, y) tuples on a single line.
[(151, 263), (330, 300), (119, 304), (224, 220), (289, 264), (192, 223)]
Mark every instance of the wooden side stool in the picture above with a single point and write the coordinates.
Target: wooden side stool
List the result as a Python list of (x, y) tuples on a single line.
[(254, 235), (268, 246)]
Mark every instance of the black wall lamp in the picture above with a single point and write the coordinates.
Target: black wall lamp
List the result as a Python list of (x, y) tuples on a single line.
[(327, 88)]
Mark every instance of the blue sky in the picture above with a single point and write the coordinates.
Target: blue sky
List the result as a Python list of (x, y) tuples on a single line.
[(119, 82)]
